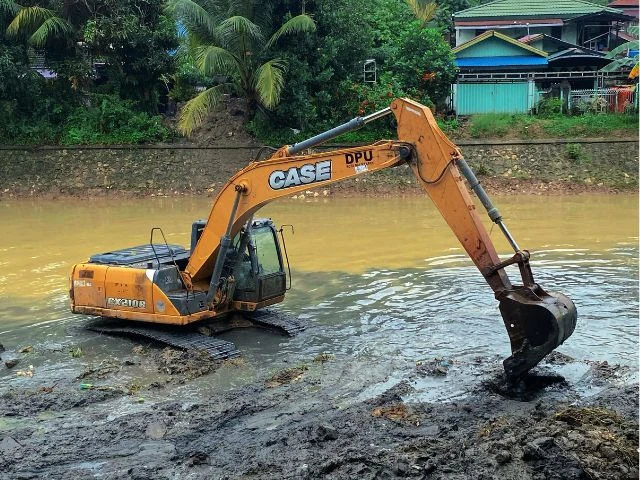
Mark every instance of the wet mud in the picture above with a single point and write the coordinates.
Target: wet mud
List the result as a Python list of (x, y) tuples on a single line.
[(301, 422)]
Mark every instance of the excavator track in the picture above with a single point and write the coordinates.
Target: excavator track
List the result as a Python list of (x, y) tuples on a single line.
[(274, 319), (184, 340)]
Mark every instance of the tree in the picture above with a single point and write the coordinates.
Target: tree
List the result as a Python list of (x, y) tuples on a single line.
[(324, 83), (53, 28), (135, 39), (320, 64), (425, 65), (234, 41), (29, 104), (38, 24)]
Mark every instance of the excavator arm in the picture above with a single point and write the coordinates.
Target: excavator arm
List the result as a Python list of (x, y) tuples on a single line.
[(536, 321), (281, 175)]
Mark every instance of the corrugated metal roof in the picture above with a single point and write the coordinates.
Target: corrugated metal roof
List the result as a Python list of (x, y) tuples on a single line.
[(575, 53), (548, 39), (520, 21), (532, 9), (515, 61)]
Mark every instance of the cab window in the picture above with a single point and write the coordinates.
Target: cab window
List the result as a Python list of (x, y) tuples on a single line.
[(266, 250)]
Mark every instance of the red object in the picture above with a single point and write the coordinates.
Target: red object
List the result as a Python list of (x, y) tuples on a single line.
[(624, 95), (623, 3)]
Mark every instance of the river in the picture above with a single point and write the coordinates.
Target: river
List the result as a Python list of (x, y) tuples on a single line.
[(376, 278)]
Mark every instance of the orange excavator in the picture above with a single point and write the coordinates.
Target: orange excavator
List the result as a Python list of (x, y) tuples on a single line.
[(235, 263)]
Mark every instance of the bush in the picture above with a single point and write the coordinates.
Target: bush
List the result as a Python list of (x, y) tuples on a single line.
[(548, 107), (425, 66), (576, 152), (448, 125), (492, 125), (108, 119)]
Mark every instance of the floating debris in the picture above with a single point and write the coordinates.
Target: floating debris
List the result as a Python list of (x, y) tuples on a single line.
[(324, 357), (286, 376), (438, 367), (76, 352), (26, 373)]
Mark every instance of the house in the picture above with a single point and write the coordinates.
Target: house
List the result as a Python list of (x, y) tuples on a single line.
[(512, 53), (628, 7), (575, 21), (488, 60)]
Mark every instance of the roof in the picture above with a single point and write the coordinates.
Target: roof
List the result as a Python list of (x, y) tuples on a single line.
[(578, 57), (531, 38), (532, 9), (578, 53), (515, 22), (513, 61), (623, 3), (501, 36), (548, 39), (629, 7), (625, 36)]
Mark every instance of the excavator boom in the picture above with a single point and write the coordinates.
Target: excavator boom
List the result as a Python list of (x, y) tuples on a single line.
[(222, 272)]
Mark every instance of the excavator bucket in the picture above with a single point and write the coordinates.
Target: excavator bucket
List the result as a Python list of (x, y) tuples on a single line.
[(537, 322)]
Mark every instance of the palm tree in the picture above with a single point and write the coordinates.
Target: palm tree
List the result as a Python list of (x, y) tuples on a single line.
[(230, 40), (423, 10), (37, 24)]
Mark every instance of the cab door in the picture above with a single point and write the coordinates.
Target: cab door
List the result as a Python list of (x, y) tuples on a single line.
[(260, 275)]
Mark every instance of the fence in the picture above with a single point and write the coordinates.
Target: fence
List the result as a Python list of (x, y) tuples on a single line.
[(615, 100)]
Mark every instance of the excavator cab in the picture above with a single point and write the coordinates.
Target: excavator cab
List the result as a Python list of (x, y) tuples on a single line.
[(258, 270), (253, 271)]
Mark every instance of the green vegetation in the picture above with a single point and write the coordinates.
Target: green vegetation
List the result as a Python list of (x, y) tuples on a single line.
[(620, 53), (298, 66), (576, 152), (111, 120), (109, 58), (234, 40), (561, 126)]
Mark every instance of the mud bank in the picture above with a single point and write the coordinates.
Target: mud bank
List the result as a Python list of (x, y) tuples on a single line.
[(329, 418), (539, 167)]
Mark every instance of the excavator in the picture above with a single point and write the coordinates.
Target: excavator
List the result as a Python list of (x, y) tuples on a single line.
[(235, 261)]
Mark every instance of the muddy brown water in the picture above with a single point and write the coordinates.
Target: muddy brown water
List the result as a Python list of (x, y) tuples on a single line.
[(381, 282)]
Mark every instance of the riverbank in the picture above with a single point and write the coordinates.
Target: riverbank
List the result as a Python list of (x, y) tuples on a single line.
[(505, 166), (568, 419)]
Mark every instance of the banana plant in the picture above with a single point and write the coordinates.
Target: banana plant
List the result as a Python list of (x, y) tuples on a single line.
[(621, 56)]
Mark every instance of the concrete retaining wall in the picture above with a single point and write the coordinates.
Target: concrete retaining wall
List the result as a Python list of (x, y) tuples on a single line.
[(171, 169)]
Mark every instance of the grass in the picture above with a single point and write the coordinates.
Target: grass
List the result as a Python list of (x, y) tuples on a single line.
[(490, 125), (499, 125)]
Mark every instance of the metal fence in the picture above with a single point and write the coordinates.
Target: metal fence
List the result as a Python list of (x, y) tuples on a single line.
[(600, 100)]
